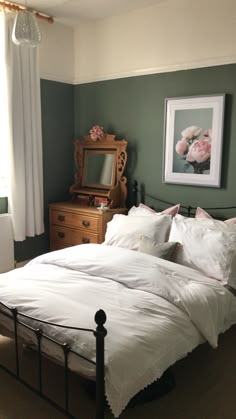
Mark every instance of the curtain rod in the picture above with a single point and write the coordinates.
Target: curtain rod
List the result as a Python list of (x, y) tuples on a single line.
[(17, 8)]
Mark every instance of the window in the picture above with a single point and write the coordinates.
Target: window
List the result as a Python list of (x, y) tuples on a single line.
[(4, 124)]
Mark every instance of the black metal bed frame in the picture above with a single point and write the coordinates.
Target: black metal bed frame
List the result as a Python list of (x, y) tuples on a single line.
[(187, 210), (100, 332)]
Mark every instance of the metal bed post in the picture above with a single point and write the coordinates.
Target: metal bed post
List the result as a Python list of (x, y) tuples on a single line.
[(189, 209), (14, 314), (38, 334), (100, 333), (66, 350), (135, 193)]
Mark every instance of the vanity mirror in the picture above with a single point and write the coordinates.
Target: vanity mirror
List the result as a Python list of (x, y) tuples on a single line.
[(99, 170)]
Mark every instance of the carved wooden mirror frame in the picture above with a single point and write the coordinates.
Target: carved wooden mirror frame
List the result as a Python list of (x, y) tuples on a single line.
[(116, 192)]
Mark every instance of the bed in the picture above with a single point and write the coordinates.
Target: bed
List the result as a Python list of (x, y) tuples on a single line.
[(157, 276)]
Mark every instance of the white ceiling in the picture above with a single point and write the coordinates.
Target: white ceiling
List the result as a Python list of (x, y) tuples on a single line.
[(72, 11)]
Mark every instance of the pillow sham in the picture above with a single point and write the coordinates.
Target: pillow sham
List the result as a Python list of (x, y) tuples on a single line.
[(203, 214), (165, 251), (143, 209), (124, 231), (208, 246)]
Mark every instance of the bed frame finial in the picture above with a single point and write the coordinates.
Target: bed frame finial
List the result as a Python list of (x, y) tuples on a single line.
[(100, 319)]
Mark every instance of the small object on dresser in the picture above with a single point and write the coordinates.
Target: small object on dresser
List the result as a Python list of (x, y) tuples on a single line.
[(80, 199), (100, 202), (102, 207)]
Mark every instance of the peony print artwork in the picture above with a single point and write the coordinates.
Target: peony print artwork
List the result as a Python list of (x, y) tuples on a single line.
[(194, 148), (193, 135), (192, 141)]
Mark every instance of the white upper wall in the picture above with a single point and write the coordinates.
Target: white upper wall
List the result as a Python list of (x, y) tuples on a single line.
[(57, 52), (173, 35)]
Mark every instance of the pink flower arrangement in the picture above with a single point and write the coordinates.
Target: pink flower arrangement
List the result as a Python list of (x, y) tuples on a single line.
[(96, 132), (200, 151), (196, 151), (191, 132), (181, 146)]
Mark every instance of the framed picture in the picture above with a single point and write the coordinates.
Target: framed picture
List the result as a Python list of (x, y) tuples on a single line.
[(193, 135)]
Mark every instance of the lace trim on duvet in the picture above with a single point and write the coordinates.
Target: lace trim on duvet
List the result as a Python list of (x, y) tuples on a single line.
[(118, 404)]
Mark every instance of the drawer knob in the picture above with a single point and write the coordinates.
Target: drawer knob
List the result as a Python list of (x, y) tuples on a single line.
[(85, 223), (61, 218), (61, 234), (85, 240)]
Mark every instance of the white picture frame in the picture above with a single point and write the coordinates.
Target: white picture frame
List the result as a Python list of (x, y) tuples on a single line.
[(193, 137)]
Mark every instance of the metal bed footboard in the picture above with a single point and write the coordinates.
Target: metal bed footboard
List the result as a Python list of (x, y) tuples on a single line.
[(100, 332)]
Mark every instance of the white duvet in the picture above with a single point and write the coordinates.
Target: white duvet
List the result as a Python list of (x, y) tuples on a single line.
[(157, 311)]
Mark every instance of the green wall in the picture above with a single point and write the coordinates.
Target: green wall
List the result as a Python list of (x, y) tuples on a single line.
[(133, 108), (57, 101)]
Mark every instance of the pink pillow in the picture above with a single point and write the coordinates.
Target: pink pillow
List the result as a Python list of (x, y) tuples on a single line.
[(170, 211), (231, 220), (201, 213)]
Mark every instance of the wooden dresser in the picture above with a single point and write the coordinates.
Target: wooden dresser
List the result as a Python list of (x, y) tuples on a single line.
[(72, 224)]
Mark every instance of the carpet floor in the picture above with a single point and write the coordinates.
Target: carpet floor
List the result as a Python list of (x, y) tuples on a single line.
[(205, 388)]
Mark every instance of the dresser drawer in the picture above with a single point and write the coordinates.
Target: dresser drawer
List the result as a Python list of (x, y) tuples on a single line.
[(72, 224), (71, 237), (71, 219)]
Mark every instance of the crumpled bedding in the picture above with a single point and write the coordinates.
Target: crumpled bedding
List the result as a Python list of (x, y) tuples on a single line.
[(157, 311)]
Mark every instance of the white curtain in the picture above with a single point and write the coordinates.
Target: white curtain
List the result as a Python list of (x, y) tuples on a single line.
[(25, 196), (5, 131)]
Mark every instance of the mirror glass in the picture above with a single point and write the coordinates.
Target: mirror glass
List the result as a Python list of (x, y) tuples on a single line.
[(99, 168)]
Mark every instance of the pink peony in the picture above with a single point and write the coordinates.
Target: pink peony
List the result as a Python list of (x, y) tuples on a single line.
[(191, 132), (199, 151), (181, 146), (96, 133)]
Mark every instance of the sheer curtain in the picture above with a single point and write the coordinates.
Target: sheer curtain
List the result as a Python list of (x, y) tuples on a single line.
[(25, 196), (4, 115)]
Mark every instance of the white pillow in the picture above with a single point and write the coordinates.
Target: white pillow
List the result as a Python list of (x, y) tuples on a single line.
[(136, 211), (124, 231), (144, 210), (208, 245)]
